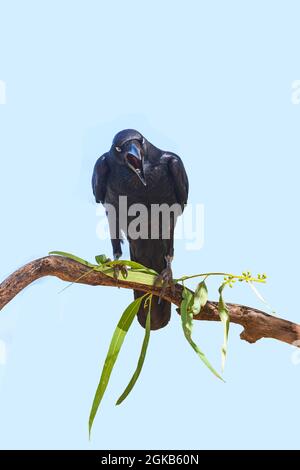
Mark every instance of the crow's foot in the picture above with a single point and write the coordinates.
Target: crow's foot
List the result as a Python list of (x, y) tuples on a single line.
[(119, 268), (165, 278)]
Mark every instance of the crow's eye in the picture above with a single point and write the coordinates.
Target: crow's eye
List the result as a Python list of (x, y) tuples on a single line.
[(118, 149), (143, 140)]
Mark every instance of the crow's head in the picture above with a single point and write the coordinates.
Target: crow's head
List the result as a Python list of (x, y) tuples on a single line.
[(129, 148)]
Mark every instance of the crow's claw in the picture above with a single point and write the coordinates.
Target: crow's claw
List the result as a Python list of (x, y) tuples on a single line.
[(124, 271), (165, 279), (120, 268)]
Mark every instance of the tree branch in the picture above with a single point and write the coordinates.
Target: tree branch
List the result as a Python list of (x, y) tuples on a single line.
[(256, 323)]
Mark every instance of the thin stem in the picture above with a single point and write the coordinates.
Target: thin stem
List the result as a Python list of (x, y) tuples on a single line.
[(76, 280), (232, 276)]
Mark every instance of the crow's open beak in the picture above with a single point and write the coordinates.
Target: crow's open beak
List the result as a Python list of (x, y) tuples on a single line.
[(135, 162)]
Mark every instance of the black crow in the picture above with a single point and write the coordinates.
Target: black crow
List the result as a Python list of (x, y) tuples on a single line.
[(145, 175)]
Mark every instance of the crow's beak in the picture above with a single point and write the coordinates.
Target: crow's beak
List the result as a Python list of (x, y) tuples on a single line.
[(135, 162)]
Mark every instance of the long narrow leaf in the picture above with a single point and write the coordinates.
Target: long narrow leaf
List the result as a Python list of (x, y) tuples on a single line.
[(75, 258), (146, 270), (225, 319), (200, 297), (141, 358), (137, 273), (113, 352), (131, 264), (134, 276), (261, 298), (187, 325)]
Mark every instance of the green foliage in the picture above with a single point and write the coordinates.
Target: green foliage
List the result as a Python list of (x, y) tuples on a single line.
[(70, 256), (101, 259), (113, 352), (136, 272), (225, 319), (142, 355), (200, 298), (192, 303), (187, 316)]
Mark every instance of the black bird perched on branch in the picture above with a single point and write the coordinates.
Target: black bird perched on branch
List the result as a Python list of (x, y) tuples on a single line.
[(150, 177)]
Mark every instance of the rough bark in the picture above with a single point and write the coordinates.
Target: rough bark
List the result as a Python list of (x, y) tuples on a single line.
[(256, 323)]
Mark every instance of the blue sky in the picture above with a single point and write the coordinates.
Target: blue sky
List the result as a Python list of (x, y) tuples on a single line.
[(211, 81)]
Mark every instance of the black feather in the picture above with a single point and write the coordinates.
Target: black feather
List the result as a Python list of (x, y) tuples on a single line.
[(166, 183)]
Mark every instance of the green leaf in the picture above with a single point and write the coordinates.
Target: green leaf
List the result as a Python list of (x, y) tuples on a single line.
[(101, 259), (113, 352), (146, 270), (141, 358), (141, 277), (131, 264), (200, 297), (187, 325), (138, 273), (225, 319), (75, 258)]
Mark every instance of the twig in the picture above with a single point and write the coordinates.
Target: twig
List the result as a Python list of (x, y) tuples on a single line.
[(256, 323)]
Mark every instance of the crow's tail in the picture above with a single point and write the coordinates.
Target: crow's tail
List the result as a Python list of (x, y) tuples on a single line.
[(160, 313), (151, 253)]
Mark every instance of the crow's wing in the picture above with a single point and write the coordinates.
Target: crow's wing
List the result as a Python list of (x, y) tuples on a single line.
[(99, 179), (180, 179)]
